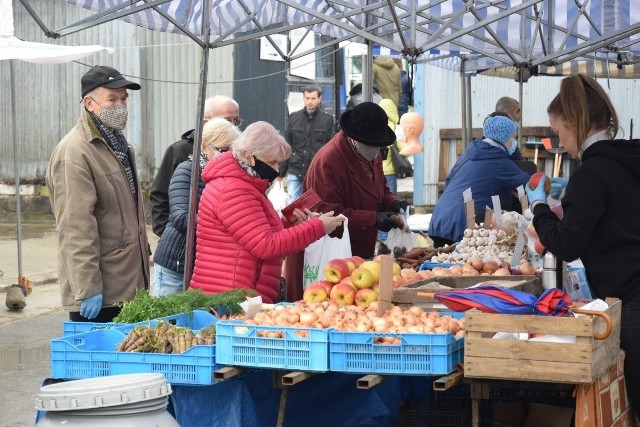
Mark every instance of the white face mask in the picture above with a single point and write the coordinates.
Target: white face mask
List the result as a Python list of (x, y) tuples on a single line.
[(400, 136), (114, 117)]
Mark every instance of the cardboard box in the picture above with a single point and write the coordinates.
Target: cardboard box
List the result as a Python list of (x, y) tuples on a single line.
[(581, 362)]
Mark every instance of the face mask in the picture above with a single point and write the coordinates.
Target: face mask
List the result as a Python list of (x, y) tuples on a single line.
[(513, 147), (264, 171), (400, 136), (367, 151), (113, 117)]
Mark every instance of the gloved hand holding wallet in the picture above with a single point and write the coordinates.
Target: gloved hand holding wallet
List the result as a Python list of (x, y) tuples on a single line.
[(384, 222), (400, 205), (90, 307)]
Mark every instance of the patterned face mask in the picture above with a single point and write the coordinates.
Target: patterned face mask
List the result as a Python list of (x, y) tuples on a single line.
[(113, 117)]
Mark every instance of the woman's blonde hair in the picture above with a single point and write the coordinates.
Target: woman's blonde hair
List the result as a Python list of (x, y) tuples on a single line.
[(219, 133), (262, 140), (585, 106)]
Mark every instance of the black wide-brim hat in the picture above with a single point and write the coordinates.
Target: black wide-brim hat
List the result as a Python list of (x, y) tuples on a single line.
[(367, 123)]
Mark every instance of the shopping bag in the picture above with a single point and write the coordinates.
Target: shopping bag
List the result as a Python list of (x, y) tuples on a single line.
[(277, 196), (320, 252), (401, 237), (401, 165)]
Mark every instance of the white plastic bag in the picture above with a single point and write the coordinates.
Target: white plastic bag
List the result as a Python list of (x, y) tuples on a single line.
[(401, 237), (320, 252), (277, 196)]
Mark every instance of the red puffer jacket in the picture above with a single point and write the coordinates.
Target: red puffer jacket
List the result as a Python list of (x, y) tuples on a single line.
[(241, 240)]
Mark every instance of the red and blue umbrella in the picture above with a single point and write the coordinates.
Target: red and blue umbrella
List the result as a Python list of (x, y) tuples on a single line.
[(493, 299)]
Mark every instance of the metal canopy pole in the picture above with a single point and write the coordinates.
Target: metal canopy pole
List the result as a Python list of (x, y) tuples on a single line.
[(16, 160), (463, 95), (197, 140)]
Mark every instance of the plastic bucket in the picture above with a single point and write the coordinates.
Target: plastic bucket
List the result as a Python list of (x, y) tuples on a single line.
[(132, 400)]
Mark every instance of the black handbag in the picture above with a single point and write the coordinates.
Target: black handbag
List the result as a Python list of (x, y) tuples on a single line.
[(401, 164)]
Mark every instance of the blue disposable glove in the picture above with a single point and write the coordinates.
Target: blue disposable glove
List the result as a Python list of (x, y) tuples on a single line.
[(557, 185), (537, 194), (90, 307)]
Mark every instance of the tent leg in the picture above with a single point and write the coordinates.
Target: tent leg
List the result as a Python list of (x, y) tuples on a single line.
[(16, 163)]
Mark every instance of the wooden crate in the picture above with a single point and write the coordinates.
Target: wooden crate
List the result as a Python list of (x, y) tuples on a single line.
[(581, 362), (406, 295)]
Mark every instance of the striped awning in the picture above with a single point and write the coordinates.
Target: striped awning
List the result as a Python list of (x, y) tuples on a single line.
[(491, 32)]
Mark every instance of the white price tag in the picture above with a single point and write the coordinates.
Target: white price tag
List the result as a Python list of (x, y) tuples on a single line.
[(497, 210)]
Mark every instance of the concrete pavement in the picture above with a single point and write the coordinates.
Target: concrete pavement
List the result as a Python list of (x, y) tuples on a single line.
[(25, 335)]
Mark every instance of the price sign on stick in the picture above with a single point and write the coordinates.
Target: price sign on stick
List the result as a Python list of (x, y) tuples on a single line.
[(497, 209), (386, 285), (469, 208), (488, 216), (522, 196), (517, 251)]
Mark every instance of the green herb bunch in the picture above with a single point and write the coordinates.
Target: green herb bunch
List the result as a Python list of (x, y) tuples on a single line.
[(145, 307)]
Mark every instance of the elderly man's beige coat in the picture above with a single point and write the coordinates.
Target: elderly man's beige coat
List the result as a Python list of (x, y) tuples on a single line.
[(102, 236)]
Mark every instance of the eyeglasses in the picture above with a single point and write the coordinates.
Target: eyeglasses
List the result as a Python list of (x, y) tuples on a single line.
[(236, 121)]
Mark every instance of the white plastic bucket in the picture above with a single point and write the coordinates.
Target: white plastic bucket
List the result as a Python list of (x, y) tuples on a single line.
[(132, 400)]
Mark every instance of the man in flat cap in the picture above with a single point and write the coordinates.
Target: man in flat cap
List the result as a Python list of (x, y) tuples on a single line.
[(103, 252)]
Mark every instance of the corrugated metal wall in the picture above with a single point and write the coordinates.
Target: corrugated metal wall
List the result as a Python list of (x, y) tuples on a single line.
[(47, 96), (260, 86), (442, 107)]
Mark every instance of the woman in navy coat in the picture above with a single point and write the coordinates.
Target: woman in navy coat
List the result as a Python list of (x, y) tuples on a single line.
[(486, 168)]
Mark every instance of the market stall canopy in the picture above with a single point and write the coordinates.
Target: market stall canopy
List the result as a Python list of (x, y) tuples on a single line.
[(490, 33)]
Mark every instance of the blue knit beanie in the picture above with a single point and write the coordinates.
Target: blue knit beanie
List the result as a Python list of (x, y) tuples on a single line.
[(499, 128)]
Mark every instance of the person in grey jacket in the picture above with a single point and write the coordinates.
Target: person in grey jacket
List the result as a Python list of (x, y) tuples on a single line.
[(307, 131), (169, 258), (103, 252)]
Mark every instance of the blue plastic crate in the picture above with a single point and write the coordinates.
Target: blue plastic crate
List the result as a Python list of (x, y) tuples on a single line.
[(93, 354), (428, 265), (197, 319), (417, 354), (240, 344)]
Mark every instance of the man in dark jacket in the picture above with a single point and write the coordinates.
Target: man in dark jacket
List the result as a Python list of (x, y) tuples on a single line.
[(307, 131), (178, 152)]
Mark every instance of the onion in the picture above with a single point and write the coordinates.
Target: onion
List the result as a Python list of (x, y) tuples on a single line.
[(477, 263), (308, 318), (527, 269), (417, 311), (502, 272), (490, 267)]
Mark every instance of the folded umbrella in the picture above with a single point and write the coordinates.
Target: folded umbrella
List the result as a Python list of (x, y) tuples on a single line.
[(494, 299)]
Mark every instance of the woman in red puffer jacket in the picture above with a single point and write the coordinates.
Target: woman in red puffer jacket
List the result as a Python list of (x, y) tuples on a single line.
[(241, 240)]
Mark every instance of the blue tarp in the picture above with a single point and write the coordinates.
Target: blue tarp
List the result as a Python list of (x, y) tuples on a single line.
[(330, 399)]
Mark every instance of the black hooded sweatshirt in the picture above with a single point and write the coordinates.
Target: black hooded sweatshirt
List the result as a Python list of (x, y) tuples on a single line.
[(601, 223)]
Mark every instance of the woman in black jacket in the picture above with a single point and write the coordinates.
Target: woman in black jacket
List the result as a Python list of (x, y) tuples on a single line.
[(601, 207), (169, 258)]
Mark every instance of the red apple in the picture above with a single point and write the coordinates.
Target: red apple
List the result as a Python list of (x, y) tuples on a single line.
[(373, 267), (348, 281), (535, 180), (364, 297), (342, 294), (336, 270), (315, 293), (362, 278), (357, 260), (327, 285), (351, 264)]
